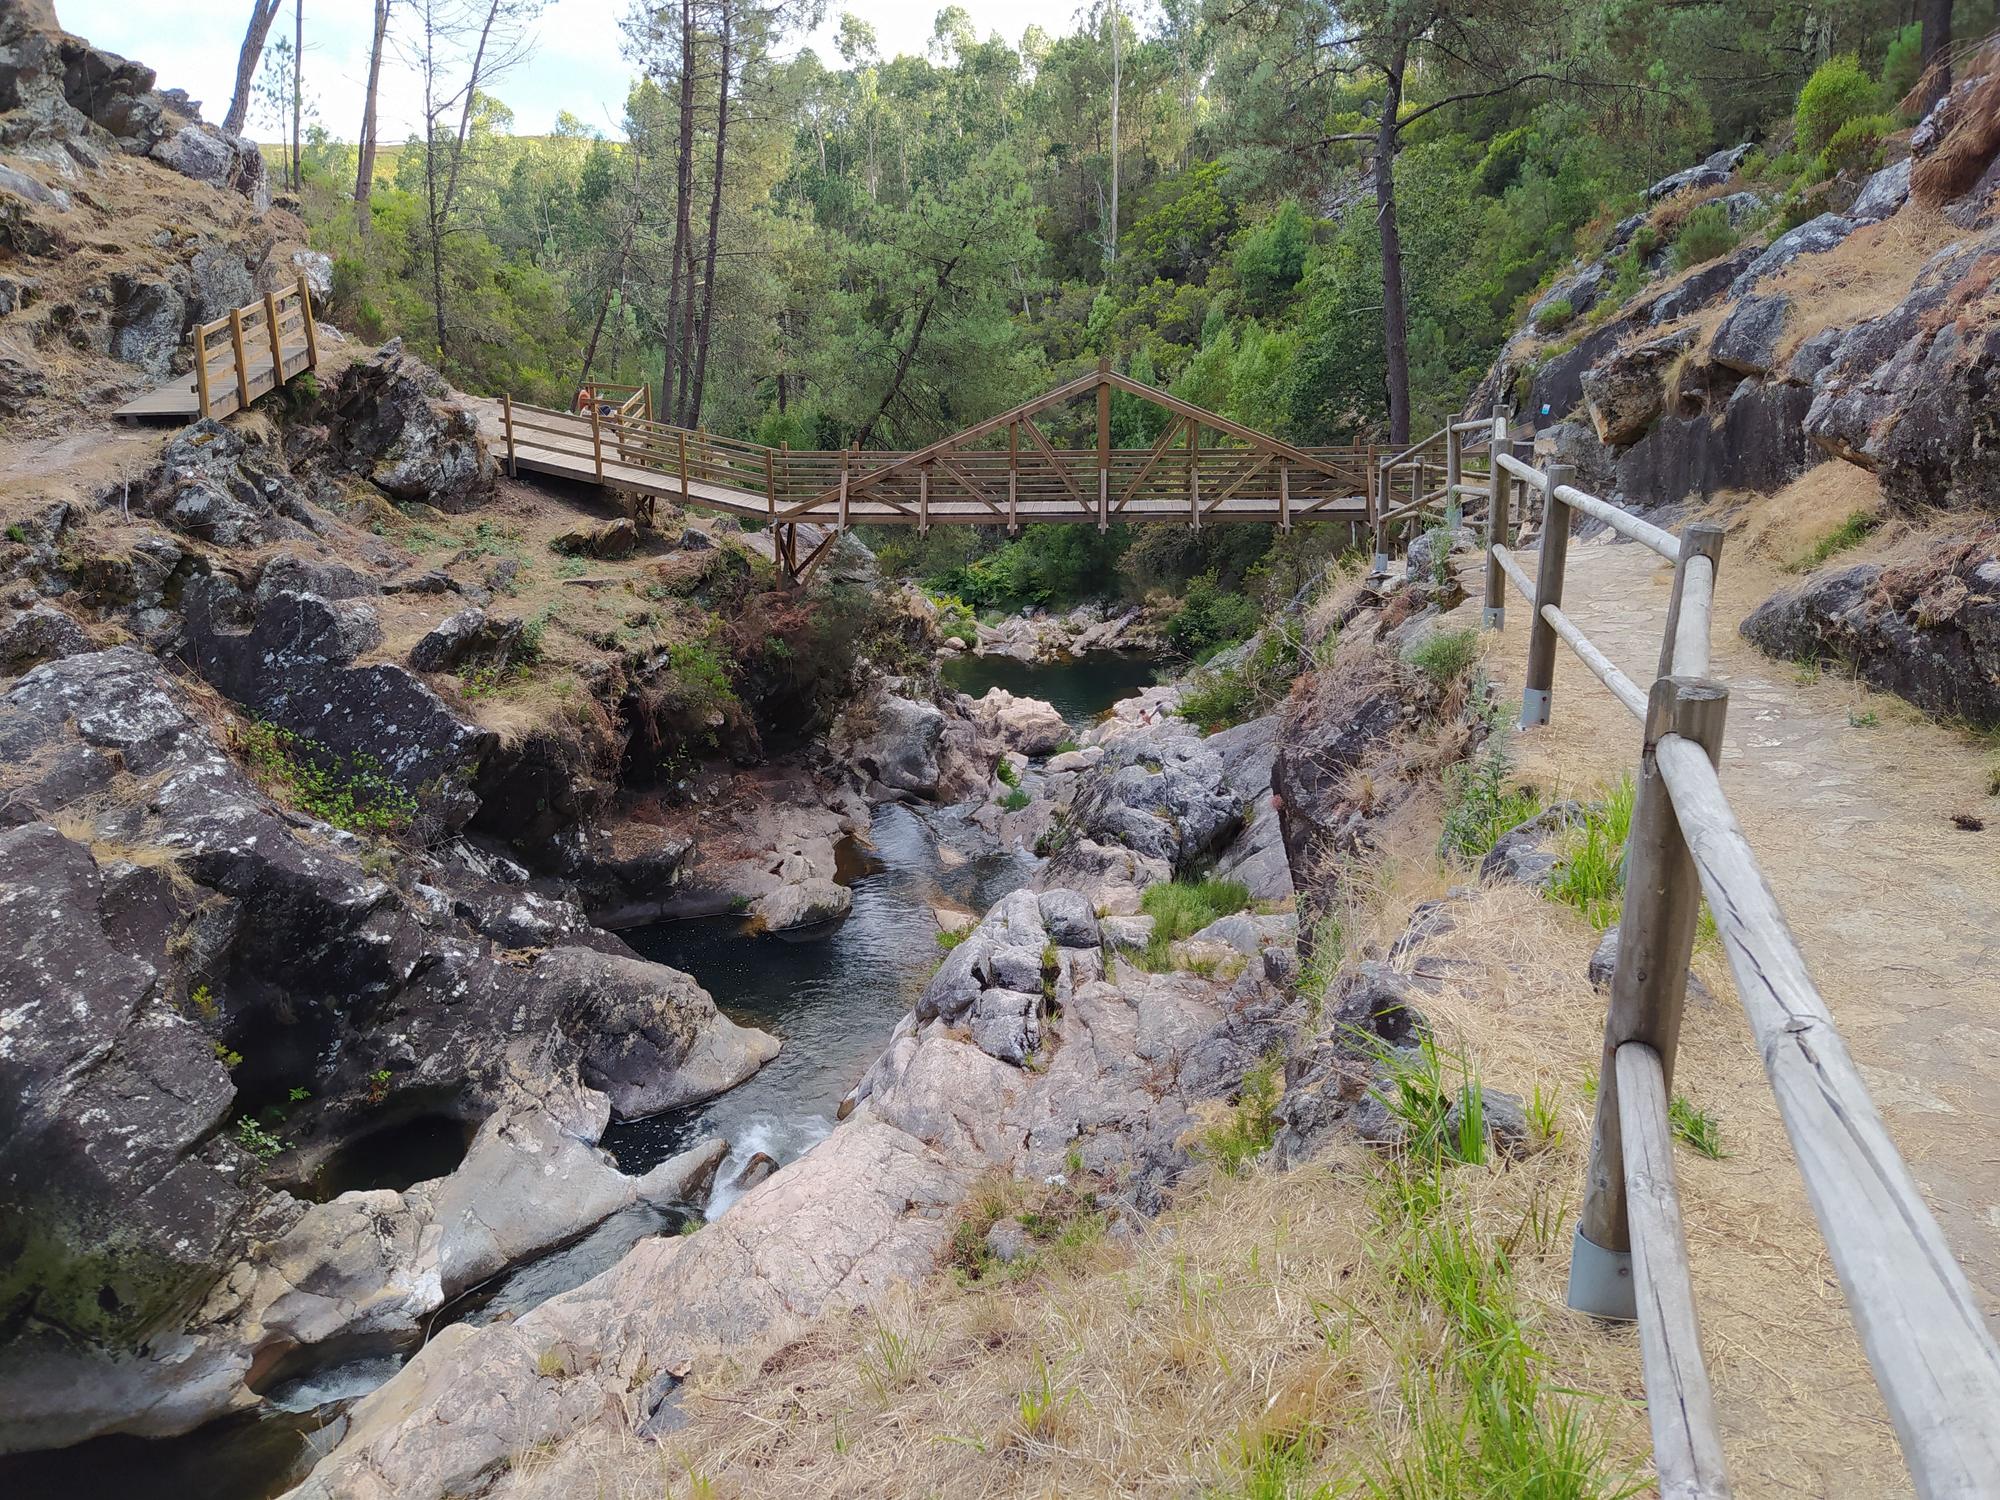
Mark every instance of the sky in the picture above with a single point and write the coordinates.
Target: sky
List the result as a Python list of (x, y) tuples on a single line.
[(576, 64)]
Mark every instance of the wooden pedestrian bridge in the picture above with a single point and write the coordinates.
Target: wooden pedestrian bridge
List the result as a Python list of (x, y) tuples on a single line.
[(1203, 469)]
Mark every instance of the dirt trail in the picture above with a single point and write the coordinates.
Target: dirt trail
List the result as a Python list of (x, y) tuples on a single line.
[(1847, 796)]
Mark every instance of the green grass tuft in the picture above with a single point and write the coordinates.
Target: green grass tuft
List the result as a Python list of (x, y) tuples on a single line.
[(1444, 656), (1697, 1128), (1851, 532), (1247, 1131), (1181, 908), (1590, 874)]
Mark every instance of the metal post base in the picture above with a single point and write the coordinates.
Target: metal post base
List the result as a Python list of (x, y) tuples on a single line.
[(1494, 619), (1534, 707), (1381, 568), (1600, 1281)]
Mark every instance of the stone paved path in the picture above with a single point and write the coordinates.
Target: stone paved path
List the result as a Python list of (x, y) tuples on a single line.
[(1896, 908)]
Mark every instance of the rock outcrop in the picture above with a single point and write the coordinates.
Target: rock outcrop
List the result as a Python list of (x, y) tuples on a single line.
[(1928, 630), (195, 955), (399, 425)]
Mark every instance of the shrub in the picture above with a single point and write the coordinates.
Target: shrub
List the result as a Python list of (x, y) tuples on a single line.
[(1222, 699), (1210, 616), (1444, 656), (1553, 316), (1902, 64), (1706, 234), (1857, 145), (1478, 807), (1839, 90), (349, 791), (1015, 800), (1247, 1131)]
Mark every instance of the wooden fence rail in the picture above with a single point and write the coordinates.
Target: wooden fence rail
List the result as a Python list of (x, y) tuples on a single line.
[(1928, 1345), (253, 350)]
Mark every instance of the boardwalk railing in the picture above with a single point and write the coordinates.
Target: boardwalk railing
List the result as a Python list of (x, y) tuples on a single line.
[(253, 350), (1926, 1341), (1201, 469)]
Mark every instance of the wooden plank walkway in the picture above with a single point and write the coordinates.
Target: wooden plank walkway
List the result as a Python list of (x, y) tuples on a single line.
[(1202, 470), (249, 353)]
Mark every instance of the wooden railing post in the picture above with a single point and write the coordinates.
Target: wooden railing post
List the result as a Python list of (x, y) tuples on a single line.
[(306, 319), (1540, 677), (242, 363), (1499, 527), (1698, 539), (1454, 473), (204, 401), (923, 499), (596, 440), (507, 418), (1194, 474), (271, 338), (1284, 497), (1103, 443), (684, 467), (1382, 491), (1013, 479), (1648, 985), (770, 486)]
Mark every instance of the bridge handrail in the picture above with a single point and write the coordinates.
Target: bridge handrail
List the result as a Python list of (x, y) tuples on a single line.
[(225, 347), (1932, 1356)]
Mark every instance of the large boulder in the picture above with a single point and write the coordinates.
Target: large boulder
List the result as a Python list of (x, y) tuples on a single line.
[(190, 952), (1627, 390), (221, 485), (1747, 340), (1025, 724), (397, 422), (892, 740), (1928, 630), (1159, 791), (1713, 172), (1814, 237), (1909, 394), (290, 658)]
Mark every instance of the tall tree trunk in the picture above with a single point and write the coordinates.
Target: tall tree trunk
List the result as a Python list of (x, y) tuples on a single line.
[(677, 306), (707, 324), (909, 354), (471, 93), (1395, 316), (1111, 228), (1936, 53), (262, 14), (364, 175), (298, 88)]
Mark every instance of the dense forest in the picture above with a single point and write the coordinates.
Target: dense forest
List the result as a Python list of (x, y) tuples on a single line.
[(1209, 192)]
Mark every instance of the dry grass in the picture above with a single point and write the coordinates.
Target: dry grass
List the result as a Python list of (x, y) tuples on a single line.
[(1962, 155), (1862, 277), (1776, 529)]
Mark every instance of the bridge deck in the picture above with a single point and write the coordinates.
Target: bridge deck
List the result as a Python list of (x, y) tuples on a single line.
[(963, 487)]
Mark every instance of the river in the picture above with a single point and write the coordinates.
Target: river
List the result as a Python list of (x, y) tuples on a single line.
[(833, 995)]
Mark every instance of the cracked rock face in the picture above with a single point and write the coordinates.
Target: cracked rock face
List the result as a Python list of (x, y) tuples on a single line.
[(239, 930), (396, 424), (1910, 394)]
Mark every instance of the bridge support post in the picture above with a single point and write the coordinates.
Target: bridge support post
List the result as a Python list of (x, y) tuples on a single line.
[(1539, 679), (507, 417), (1284, 497), (306, 315), (1648, 987), (1013, 479)]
